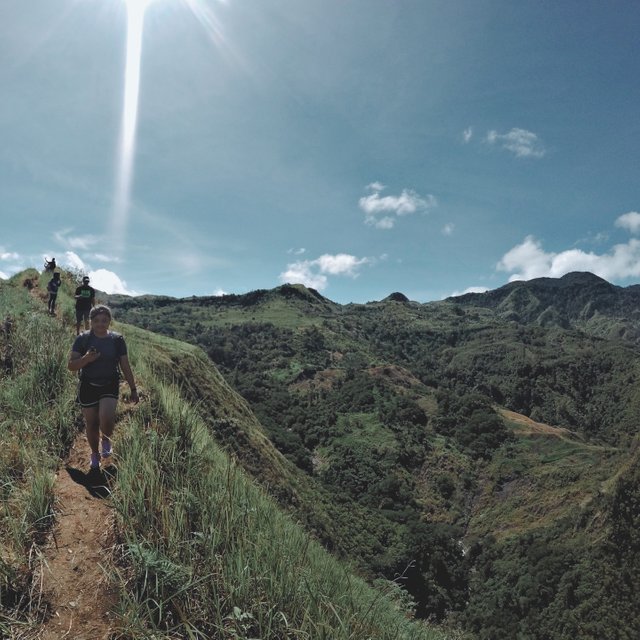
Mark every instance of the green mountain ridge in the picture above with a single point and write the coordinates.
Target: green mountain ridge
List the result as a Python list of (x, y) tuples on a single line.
[(470, 433), (577, 300), (487, 465), (204, 551)]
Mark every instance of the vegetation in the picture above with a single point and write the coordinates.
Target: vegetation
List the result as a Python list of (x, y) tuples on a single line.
[(36, 427), (449, 442), (476, 461), (203, 552)]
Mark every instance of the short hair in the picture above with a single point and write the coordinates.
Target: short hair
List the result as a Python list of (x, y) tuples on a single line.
[(98, 309)]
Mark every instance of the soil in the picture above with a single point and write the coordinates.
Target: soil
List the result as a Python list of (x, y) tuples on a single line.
[(74, 584)]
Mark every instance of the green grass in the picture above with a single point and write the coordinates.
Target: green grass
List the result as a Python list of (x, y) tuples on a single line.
[(37, 424), (209, 554), (204, 551), (536, 480)]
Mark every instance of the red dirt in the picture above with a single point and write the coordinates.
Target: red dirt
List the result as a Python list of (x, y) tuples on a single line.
[(74, 584)]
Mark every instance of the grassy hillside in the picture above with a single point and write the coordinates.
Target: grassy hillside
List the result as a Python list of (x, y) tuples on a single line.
[(462, 436), (203, 551)]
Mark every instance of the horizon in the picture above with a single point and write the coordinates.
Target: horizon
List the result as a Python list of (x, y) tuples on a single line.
[(357, 149), (389, 294)]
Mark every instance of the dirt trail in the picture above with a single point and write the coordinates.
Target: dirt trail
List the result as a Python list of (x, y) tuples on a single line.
[(74, 583)]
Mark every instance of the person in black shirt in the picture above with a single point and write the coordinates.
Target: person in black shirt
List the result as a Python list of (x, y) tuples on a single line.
[(52, 288), (85, 299), (100, 355)]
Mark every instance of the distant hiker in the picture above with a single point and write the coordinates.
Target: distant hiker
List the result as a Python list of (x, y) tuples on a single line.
[(52, 288), (100, 355), (85, 299), (50, 265)]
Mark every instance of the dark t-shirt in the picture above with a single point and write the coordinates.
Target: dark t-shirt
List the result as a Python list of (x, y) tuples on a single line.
[(53, 286), (105, 369), (87, 294)]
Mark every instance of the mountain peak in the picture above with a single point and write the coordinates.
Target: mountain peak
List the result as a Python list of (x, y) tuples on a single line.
[(396, 296)]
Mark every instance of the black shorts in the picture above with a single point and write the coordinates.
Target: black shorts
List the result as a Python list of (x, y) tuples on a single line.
[(90, 394), (82, 314)]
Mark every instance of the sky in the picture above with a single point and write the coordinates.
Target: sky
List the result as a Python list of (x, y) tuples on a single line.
[(360, 147)]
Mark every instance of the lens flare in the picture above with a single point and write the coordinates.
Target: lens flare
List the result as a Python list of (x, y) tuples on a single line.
[(135, 26), (127, 146)]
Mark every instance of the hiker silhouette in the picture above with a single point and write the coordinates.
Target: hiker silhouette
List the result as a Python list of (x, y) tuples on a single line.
[(49, 265), (52, 288)]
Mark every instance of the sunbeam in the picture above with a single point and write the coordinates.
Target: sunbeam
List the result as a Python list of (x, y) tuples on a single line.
[(207, 19), (135, 26), (127, 146)]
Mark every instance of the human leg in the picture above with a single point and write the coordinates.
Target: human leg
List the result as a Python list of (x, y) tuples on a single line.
[(92, 424), (107, 423)]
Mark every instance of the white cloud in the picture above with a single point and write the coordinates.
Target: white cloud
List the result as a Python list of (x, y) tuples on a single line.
[(303, 273), (406, 203), (9, 255), (109, 282), (75, 242), (297, 252), (380, 223), (523, 143), (340, 264), (630, 221), (448, 229), (468, 290), (313, 273), (220, 292), (101, 257), (3, 275), (529, 260), (73, 261), (467, 134)]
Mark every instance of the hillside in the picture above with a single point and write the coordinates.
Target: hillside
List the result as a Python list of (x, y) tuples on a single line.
[(202, 551), (459, 438)]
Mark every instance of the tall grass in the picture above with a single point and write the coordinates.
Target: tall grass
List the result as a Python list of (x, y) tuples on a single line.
[(36, 426), (204, 552), (209, 555)]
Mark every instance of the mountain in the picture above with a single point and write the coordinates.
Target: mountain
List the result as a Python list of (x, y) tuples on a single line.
[(451, 441), (577, 300), (195, 547)]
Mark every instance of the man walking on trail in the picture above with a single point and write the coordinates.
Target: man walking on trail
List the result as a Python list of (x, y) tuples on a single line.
[(52, 288), (85, 299)]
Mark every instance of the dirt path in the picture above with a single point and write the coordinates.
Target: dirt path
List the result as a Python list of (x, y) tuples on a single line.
[(74, 583)]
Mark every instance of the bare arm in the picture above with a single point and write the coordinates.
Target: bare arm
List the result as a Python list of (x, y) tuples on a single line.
[(77, 361)]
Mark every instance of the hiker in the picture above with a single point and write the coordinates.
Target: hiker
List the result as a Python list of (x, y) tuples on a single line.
[(85, 299), (100, 355), (49, 265), (52, 288)]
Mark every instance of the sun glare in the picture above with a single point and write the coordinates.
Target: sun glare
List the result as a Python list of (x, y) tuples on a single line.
[(135, 27), (127, 147)]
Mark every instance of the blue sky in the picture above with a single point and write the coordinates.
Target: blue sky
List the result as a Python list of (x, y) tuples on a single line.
[(358, 146)]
